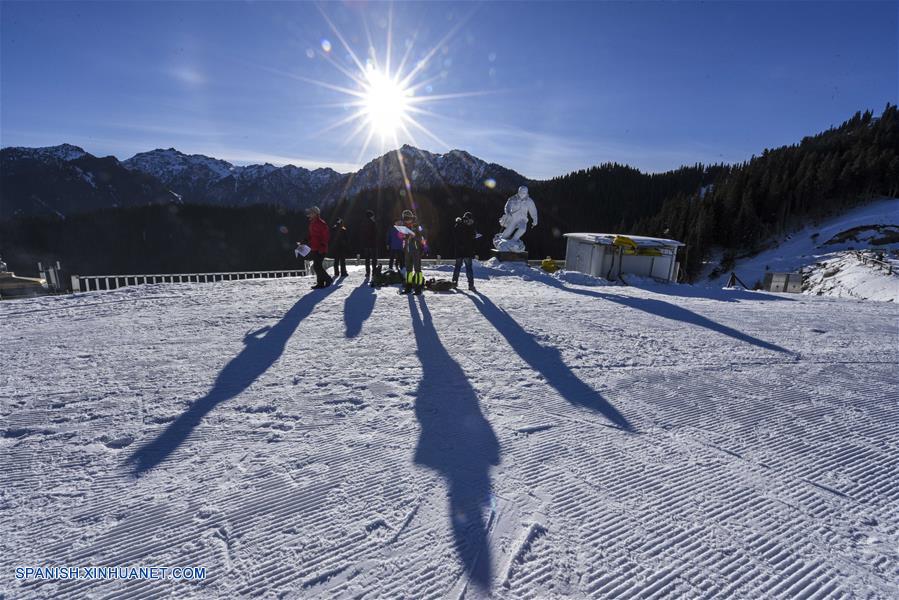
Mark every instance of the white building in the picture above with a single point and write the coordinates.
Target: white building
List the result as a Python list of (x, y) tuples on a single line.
[(610, 255)]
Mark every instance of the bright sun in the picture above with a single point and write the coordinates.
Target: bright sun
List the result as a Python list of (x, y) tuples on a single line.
[(389, 97), (385, 103)]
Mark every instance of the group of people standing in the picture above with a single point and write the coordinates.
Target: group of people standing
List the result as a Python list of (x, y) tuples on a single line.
[(406, 246)]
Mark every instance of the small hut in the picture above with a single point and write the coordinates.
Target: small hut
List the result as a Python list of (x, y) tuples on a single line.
[(783, 282), (610, 255)]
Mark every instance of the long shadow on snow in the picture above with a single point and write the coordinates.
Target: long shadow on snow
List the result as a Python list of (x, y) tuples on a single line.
[(666, 310), (548, 362), (457, 442), (707, 293), (357, 308), (258, 355)]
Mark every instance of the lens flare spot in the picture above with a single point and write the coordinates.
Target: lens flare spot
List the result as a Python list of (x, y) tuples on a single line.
[(326, 45), (283, 229), (310, 53), (490, 183)]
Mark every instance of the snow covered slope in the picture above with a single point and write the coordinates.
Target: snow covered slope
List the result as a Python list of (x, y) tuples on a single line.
[(873, 225), (538, 439), (844, 274)]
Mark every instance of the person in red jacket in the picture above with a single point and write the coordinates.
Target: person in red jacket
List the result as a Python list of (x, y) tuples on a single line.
[(318, 241)]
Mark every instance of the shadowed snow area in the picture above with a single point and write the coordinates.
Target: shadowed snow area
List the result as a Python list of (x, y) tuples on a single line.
[(545, 437)]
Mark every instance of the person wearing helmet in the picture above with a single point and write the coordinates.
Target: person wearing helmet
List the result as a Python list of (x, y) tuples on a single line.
[(413, 247), (464, 238), (318, 241)]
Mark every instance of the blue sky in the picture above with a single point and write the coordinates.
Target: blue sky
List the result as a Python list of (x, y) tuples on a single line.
[(543, 88)]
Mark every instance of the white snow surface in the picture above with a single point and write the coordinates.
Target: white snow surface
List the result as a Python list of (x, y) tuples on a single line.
[(845, 275), (801, 250), (537, 439)]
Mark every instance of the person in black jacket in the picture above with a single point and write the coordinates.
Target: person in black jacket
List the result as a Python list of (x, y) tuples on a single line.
[(464, 235), (340, 243), (370, 242)]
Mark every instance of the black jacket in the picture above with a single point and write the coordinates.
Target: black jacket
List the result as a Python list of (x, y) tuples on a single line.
[(463, 238), (369, 234), (340, 241)]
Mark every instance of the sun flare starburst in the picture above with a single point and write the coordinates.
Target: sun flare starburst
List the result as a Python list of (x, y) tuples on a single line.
[(386, 103)]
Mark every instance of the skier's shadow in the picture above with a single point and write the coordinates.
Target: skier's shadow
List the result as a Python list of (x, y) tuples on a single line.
[(548, 362), (707, 293), (674, 312), (262, 348), (357, 308), (457, 442)]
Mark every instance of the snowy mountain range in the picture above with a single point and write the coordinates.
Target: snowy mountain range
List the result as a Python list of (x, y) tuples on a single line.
[(65, 178), (205, 180)]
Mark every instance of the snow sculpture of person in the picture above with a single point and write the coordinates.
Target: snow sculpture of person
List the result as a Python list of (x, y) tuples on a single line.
[(515, 221)]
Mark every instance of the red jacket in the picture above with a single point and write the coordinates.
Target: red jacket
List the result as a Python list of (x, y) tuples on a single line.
[(319, 235)]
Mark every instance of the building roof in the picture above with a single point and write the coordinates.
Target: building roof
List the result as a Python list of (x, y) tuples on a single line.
[(606, 239)]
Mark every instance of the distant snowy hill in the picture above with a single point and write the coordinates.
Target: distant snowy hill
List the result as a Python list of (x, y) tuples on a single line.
[(540, 439), (824, 252), (427, 170), (63, 152), (60, 180)]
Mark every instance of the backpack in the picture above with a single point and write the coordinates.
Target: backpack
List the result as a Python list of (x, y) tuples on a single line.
[(439, 285), (380, 278)]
